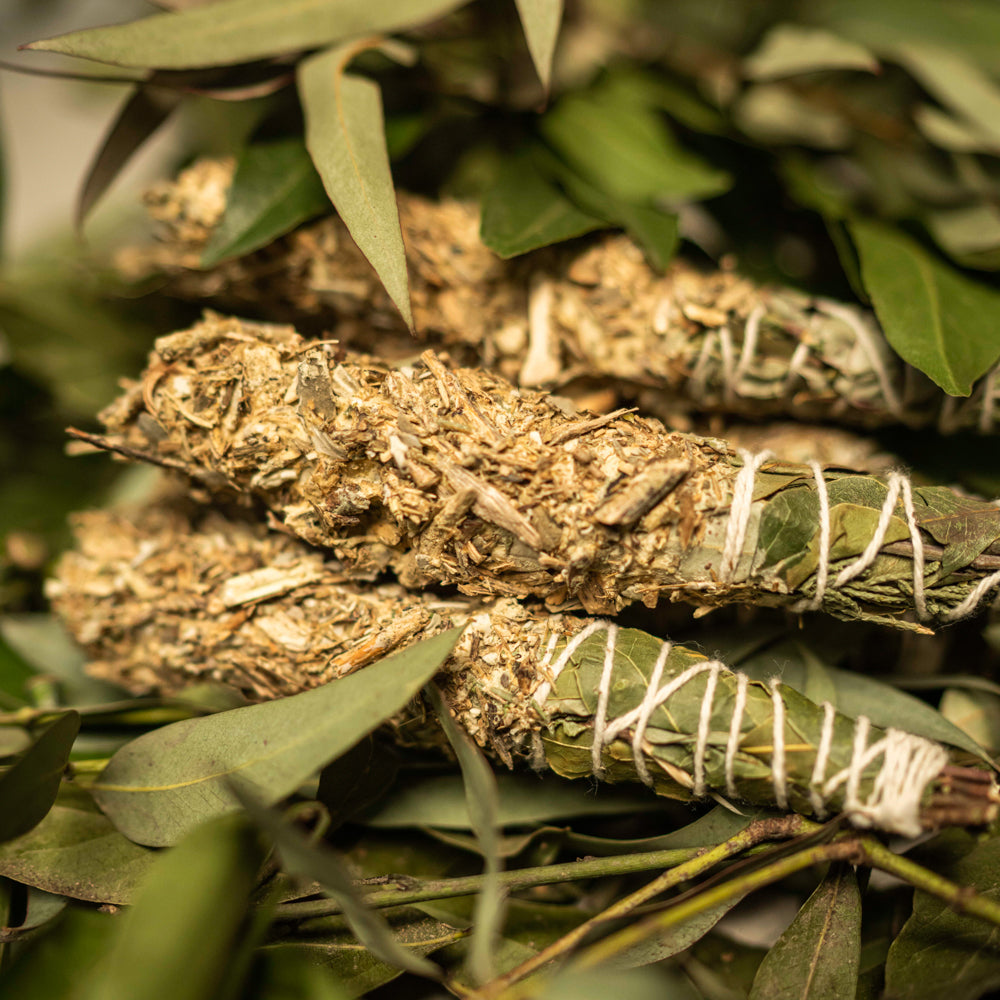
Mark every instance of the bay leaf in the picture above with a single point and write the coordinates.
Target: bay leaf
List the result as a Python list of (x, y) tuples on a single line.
[(166, 782), (234, 31), (274, 189), (965, 525), (540, 20), (790, 49), (935, 318), (345, 135), (818, 955)]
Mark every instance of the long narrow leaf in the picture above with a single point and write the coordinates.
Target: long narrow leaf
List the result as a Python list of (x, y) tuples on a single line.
[(540, 19)]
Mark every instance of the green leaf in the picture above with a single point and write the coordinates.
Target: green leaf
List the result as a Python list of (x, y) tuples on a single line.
[(345, 135), (314, 864), (235, 31), (940, 953), (274, 189), (975, 713), (525, 210), (181, 938), (524, 799), (540, 20), (625, 149), (599, 984), (290, 974), (935, 318), (75, 851), (482, 799), (28, 787), (166, 782), (817, 957), (790, 49)]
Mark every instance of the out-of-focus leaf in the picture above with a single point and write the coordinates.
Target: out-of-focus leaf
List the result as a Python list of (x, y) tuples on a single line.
[(525, 210), (773, 113), (977, 714), (626, 150), (53, 966), (314, 864), (969, 235), (235, 31), (540, 20), (790, 49), (524, 799), (14, 673), (345, 135), (166, 782), (953, 133), (182, 937), (482, 799), (599, 984), (13, 740), (140, 116), (941, 953), (275, 188), (29, 786), (817, 957), (75, 851), (286, 973), (935, 318)]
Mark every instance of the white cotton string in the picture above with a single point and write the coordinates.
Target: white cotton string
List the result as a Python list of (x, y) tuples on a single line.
[(728, 362), (919, 601), (975, 595), (895, 484), (603, 693), (825, 531), (735, 731), (822, 757), (989, 400), (739, 513), (795, 363), (778, 774), (699, 373), (704, 722), (751, 332), (645, 711)]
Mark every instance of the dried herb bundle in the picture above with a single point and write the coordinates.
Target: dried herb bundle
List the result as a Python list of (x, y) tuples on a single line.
[(579, 321), (170, 595), (454, 476)]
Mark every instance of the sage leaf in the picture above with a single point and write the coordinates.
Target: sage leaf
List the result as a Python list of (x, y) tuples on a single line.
[(235, 31), (28, 788), (791, 49), (140, 116), (935, 318), (313, 864), (166, 782), (182, 937), (940, 952), (540, 20), (483, 801), (274, 189), (817, 957), (76, 852), (345, 135), (525, 210)]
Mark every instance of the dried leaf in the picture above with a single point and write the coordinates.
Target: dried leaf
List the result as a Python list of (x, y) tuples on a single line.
[(791, 49), (165, 783), (345, 134), (934, 317), (29, 786), (234, 31), (817, 957), (274, 189), (540, 19)]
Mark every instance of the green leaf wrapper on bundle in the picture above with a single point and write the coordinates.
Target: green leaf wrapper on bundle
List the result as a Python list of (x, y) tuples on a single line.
[(578, 321), (158, 602), (454, 476)]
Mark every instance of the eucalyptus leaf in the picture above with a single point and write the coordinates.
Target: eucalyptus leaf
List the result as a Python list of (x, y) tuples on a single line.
[(525, 210), (283, 973), (942, 953), (791, 49), (315, 864), (540, 20), (166, 782), (818, 956), (28, 788), (235, 31), (181, 938), (935, 318), (76, 852), (482, 800), (274, 189), (345, 135)]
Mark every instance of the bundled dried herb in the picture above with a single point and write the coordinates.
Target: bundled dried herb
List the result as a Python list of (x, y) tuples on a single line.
[(599, 320), (167, 596), (454, 476)]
